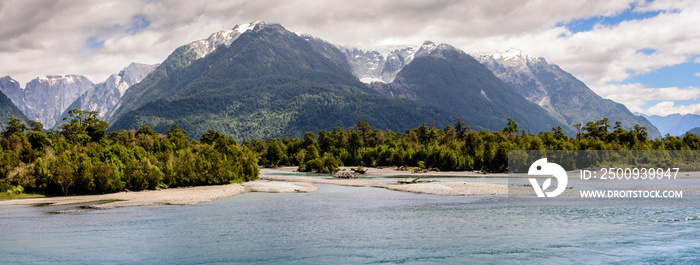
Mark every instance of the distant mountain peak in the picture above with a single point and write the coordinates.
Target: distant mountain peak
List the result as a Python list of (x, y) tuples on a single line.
[(382, 63), (515, 56), (426, 48), (242, 28), (45, 98), (206, 46), (566, 98)]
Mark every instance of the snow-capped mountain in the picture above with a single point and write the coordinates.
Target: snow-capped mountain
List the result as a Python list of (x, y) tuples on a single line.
[(269, 82), (105, 96), (382, 64), (566, 98), (181, 58), (225, 37), (518, 69), (45, 98), (446, 77)]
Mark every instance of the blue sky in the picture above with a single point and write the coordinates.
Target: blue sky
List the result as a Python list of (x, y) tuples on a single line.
[(683, 74), (679, 75)]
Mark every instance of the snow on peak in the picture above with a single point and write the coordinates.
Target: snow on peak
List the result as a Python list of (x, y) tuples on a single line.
[(225, 37), (242, 28), (69, 78), (428, 44), (425, 49), (512, 54), (387, 50)]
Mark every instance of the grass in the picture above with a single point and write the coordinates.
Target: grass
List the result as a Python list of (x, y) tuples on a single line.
[(12, 196)]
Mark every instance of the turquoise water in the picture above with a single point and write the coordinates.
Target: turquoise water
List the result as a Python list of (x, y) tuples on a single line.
[(350, 225)]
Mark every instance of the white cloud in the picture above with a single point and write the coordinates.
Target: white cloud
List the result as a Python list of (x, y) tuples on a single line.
[(49, 37), (634, 96), (669, 107)]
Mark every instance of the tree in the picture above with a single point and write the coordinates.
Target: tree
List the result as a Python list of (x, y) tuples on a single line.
[(211, 137), (511, 127), (178, 137), (309, 139), (363, 127), (35, 126), (14, 126), (355, 142), (578, 131), (460, 129), (84, 126), (145, 129)]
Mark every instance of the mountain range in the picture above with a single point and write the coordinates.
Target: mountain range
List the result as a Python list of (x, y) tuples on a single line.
[(566, 98), (106, 96), (48, 99), (445, 77), (269, 82), (675, 124), (44, 99), (260, 80)]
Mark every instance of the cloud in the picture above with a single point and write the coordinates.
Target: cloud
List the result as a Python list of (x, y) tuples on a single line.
[(98, 38), (635, 96), (669, 107), (72, 32)]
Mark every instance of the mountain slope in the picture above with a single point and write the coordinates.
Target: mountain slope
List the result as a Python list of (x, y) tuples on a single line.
[(566, 98), (268, 82), (695, 131), (674, 124), (46, 98), (106, 95), (164, 75), (8, 109), (12, 90), (382, 65), (451, 79)]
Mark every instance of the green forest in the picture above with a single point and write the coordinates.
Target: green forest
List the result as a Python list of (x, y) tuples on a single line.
[(453, 148), (81, 158)]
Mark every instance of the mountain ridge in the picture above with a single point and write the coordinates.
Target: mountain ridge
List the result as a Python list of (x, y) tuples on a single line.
[(105, 96), (269, 82), (566, 98), (674, 124), (451, 79)]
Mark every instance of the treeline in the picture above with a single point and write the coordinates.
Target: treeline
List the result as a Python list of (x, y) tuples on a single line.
[(451, 148), (80, 158)]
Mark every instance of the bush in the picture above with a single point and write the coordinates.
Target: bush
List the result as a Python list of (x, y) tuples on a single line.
[(16, 190)]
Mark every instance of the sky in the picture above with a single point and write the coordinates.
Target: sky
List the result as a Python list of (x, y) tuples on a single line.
[(644, 54)]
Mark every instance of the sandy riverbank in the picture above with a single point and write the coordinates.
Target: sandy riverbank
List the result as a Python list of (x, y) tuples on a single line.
[(437, 187), (271, 182), (175, 196), (388, 172)]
